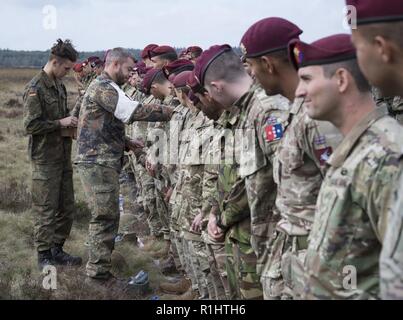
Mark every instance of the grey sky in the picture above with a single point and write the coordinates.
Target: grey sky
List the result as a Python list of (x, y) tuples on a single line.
[(103, 24)]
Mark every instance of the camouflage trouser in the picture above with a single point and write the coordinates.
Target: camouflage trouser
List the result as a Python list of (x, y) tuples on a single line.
[(133, 212), (149, 200), (284, 271), (101, 186), (244, 283), (163, 210), (218, 274), (391, 260), (187, 263), (52, 203), (177, 251), (200, 267)]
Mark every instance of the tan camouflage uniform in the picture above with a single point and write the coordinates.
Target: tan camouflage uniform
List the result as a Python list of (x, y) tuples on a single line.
[(342, 260), (391, 264), (299, 169)]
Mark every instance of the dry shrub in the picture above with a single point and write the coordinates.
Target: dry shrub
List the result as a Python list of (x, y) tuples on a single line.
[(15, 196)]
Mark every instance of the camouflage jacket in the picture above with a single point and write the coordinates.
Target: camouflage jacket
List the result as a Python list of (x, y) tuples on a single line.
[(232, 195), (177, 199), (211, 168), (394, 104), (101, 130), (300, 167), (179, 120), (159, 146), (194, 141), (266, 119), (351, 216), (391, 264), (45, 102), (86, 83)]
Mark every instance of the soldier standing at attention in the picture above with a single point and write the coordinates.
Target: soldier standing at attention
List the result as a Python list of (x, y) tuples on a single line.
[(352, 208), (378, 39), (45, 114), (299, 166)]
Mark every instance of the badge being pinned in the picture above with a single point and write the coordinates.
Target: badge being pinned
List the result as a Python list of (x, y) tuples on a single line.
[(274, 132), (323, 155)]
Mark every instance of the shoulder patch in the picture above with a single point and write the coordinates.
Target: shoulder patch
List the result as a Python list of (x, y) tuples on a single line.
[(274, 132), (32, 92), (323, 155)]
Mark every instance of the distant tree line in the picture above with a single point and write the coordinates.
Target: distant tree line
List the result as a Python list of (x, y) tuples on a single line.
[(37, 59)]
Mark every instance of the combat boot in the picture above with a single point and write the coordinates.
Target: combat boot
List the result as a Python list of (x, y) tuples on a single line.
[(177, 287), (45, 259), (64, 259), (151, 244), (164, 252), (168, 266)]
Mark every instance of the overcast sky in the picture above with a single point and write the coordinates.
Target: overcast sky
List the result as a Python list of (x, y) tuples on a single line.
[(102, 24)]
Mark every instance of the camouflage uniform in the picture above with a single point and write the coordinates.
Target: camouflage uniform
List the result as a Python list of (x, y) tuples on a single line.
[(147, 183), (215, 249), (100, 148), (159, 154), (45, 102), (195, 140), (394, 104), (266, 119), (235, 216), (130, 188), (391, 264), (85, 82), (299, 169), (342, 260), (182, 118)]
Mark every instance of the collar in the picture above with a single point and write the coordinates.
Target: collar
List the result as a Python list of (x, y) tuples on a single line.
[(341, 153), (49, 83)]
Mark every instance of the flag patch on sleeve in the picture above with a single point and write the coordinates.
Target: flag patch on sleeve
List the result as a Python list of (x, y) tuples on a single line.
[(274, 132)]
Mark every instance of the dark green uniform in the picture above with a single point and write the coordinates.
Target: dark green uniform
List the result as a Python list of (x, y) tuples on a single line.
[(45, 102)]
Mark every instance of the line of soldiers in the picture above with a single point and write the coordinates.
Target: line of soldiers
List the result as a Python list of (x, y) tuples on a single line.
[(273, 176)]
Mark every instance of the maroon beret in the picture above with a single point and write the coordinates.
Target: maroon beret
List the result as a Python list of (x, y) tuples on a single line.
[(178, 66), (328, 50), (149, 79), (194, 50), (96, 63), (205, 60), (92, 59), (181, 79), (160, 50), (267, 36), (194, 84), (140, 68), (144, 53), (377, 11), (78, 67)]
